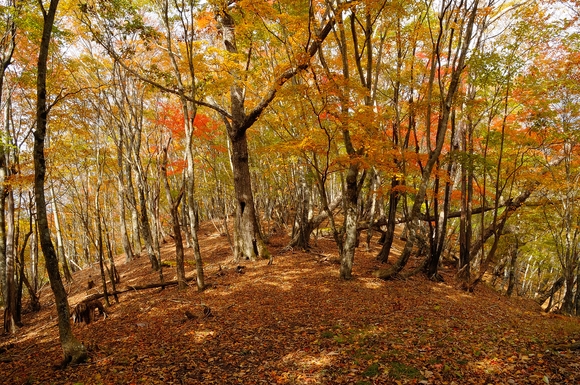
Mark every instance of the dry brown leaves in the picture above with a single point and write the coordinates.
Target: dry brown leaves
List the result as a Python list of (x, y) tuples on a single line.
[(296, 322)]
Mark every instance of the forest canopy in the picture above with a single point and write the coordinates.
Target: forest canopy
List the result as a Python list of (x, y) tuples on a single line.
[(450, 124)]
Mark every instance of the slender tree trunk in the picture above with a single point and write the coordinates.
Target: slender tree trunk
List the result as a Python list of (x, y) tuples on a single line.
[(303, 226), (3, 256), (374, 181), (10, 304), (135, 223), (512, 269), (59, 241), (193, 223), (8, 45), (174, 212), (33, 250), (74, 352), (465, 221), (34, 300), (391, 216), (113, 274), (440, 236), (100, 247), (446, 106), (146, 229), (122, 194), (577, 297)]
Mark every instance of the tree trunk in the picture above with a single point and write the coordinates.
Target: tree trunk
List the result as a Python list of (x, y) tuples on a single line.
[(122, 194), (146, 228), (100, 248), (33, 250), (10, 304), (568, 305), (446, 105), (73, 351), (34, 300), (189, 109), (577, 297), (135, 223), (512, 269), (8, 45), (174, 213), (3, 256), (248, 243), (351, 220), (302, 225), (374, 180), (193, 223), (437, 242), (59, 241), (465, 225), (113, 274), (316, 221)]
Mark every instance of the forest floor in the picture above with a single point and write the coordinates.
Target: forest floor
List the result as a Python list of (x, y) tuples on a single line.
[(296, 322)]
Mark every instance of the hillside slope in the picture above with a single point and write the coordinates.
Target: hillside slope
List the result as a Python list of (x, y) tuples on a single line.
[(296, 322)]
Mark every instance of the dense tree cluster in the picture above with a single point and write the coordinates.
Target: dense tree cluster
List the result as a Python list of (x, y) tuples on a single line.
[(140, 118)]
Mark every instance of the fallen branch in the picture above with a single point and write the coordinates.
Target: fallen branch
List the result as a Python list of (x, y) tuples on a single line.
[(560, 347), (137, 287)]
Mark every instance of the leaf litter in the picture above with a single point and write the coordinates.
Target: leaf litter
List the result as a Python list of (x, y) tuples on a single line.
[(296, 322)]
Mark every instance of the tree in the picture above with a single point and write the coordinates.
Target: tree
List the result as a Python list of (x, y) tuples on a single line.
[(448, 93), (74, 352), (7, 259)]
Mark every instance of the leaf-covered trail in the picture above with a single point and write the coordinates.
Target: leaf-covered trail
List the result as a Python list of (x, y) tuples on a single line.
[(296, 322)]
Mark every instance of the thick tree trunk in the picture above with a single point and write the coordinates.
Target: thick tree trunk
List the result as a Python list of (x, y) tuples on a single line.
[(74, 352), (568, 306), (543, 296), (351, 220), (248, 243)]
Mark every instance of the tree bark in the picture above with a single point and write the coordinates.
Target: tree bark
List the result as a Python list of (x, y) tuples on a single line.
[(10, 304), (248, 242), (8, 45), (59, 241), (174, 213), (122, 194), (73, 351)]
